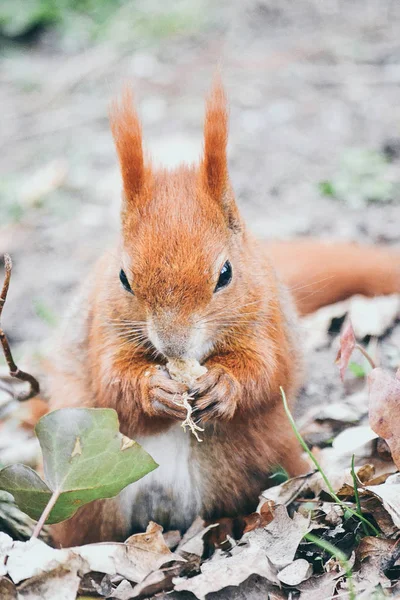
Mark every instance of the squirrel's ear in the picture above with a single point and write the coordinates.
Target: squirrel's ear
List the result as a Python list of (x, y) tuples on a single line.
[(214, 167), (127, 133)]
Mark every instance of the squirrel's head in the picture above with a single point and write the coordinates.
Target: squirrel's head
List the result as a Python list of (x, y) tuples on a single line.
[(182, 236)]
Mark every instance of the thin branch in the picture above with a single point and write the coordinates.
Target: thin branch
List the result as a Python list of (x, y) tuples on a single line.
[(15, 372)]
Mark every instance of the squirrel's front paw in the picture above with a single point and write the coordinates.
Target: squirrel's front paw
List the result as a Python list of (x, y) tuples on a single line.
[(162, 396), (216, 395)]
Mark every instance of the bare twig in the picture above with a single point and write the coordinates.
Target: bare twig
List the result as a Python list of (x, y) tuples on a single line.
[(14, 370)]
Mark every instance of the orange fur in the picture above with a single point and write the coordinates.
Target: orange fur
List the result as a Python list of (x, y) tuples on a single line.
[(178, 229), (214, 166)]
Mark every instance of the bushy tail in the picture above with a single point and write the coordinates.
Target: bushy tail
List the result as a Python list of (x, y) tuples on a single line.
[(320, 273)]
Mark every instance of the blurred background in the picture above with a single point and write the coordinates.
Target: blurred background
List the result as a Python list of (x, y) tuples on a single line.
[(314, 91)]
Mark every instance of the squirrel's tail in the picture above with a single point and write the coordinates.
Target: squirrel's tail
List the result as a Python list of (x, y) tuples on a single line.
[(320, 273)]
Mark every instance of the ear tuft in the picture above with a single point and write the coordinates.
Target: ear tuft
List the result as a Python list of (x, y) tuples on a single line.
[(127, 133), (214, 165)]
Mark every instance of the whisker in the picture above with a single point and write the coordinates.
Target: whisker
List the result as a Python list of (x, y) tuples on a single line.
[(300, 287)]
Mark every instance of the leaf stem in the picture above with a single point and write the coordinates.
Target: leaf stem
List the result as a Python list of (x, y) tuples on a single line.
[(45, 514), (319, 468), (366, 355), (340, 556)]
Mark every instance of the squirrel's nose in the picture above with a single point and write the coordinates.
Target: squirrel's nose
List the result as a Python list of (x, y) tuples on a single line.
[(173, 350), (169, 338)]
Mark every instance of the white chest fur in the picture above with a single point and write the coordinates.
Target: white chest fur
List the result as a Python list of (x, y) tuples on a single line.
[(171, 494)]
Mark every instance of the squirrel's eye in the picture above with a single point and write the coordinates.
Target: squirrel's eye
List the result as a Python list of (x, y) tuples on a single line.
[(225, 276), (124, 280)]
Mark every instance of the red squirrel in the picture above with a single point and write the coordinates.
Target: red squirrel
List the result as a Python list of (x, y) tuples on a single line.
[(188, 280)]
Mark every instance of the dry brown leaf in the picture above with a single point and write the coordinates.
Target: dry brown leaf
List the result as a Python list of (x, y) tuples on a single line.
[(347, 345), (152, 540), (123, 591), (219, 573), (298, 571), (8, 591), (285, 492), (357, 440), (365, 473), (374, 506), (254, 588), (267, 513), (260, 552), (374, 547), (252, 522), (319, 588), (384, 408), (34, 558), (389, 494), (280, 538), (333, 513), (172, 538), (158, 581), (61, 583), (379, 479), (193, 540), (370, 553)]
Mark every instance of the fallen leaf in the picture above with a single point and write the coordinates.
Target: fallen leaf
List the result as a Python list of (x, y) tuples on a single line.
[(87, 465), (34, 558), (94, 584), (285, 492), (220, 573), (334, 513), (151, 541), (61, 583), (365, 473), (127, 560), (384, 408), (253, 521), (374, 547), (374, 506), (347, 345), (355, 440), (298, 571), (123, 591), (172, 538), (193, 542), (8, 591), (159, 580), (389, 494), (26, 560), (280, 538), (319, 587), (248, 558)]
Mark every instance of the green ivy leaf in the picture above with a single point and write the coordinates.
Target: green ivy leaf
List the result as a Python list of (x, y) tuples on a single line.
[(85, 458)]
